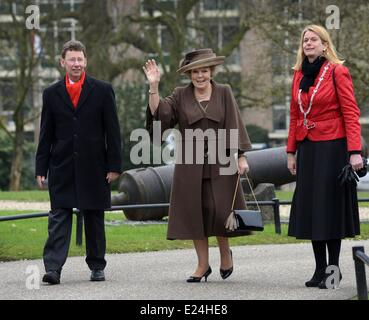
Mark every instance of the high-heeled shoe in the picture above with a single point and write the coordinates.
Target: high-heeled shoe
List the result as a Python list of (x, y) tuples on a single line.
[(317, 278), (227, 272), (198, 279)]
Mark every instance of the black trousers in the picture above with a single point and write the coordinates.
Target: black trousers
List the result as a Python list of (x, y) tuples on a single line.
[(60, 230)]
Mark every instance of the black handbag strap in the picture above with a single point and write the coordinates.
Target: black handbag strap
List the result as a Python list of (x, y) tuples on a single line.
[(335, 84), (235, 191)]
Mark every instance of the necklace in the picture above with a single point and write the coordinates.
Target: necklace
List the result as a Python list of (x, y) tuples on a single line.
[(200, 105), (305, 113), (203, 97)]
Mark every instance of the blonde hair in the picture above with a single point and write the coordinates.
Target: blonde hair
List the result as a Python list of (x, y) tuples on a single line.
[(330, 53)]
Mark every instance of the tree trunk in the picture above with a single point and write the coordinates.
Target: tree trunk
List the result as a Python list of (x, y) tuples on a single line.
[(17, 160), (23, 86)]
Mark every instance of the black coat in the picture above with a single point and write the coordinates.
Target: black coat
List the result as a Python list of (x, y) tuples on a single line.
[(78, 146)]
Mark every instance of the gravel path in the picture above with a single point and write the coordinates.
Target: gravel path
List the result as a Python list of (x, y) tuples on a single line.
[(272, 272), (261, 272), (20, 205)]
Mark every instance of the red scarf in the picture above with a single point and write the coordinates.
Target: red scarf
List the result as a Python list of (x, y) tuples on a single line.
[(75, 89)]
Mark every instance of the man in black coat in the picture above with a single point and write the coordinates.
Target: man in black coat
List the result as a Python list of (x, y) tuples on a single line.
[(80, 152)]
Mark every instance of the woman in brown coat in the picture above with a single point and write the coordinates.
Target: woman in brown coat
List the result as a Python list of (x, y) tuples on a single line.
[(202, 192)]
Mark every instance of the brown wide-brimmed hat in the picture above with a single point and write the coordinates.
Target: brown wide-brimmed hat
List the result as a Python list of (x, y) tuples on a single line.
[(199, 59)]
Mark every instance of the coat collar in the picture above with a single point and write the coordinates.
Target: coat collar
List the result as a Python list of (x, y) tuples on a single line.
[(305, 96), (86, 90), (193, 110), (301, 75)]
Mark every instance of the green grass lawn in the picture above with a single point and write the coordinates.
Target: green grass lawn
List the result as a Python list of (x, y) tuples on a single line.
[(37, 195), (287, 196), (24, 239)]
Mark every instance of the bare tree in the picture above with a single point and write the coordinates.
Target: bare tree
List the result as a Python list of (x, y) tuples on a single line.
[(165, 32), (18, 48), (17, 43), (281, 23)]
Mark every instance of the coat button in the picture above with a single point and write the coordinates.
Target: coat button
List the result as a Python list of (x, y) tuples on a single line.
[(76, 153), (74, 118)]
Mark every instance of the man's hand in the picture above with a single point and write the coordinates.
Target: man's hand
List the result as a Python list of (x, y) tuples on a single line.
[(111, 176), (41, 182)]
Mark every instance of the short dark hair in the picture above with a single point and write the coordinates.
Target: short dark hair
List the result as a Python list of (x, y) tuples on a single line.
[(73, 45)]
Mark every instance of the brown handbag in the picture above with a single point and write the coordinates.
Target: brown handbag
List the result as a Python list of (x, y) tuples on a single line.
[(240, 222)]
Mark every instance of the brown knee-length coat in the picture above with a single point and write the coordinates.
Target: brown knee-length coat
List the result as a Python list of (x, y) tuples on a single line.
[(185, 211)]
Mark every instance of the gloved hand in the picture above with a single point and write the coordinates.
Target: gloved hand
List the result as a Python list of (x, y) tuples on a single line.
[(348, 175)]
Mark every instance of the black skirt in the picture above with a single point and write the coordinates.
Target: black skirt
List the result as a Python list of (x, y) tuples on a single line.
[(321, 208)]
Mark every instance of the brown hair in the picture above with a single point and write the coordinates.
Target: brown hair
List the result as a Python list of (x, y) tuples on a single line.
[(73, 45), (212, 71)]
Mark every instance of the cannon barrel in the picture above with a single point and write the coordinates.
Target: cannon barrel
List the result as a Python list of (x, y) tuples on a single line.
[(144, 186), (269, 166), (153, 184)]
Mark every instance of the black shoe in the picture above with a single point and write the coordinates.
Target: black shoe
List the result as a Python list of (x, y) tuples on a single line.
[(226, 273), (51, 277), (97, 275), (322, 284), (317, 278), (198, 279)]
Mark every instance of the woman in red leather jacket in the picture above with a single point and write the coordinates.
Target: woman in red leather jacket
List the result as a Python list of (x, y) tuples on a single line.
[(324, 136)]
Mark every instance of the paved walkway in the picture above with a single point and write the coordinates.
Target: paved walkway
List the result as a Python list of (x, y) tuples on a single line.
[(261, 272), (24, 205)]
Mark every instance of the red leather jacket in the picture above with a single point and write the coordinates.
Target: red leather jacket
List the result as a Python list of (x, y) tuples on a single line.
[(334, 113)]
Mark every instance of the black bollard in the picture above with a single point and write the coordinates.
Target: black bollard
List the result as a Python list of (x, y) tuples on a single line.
[(359, 258), (277, 217)]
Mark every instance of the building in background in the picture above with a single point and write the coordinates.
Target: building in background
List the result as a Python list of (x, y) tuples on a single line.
[(258, 69), (58, 29)]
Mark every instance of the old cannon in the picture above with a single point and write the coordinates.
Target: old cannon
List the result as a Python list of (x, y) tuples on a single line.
[(153, 184), (145, 186)]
